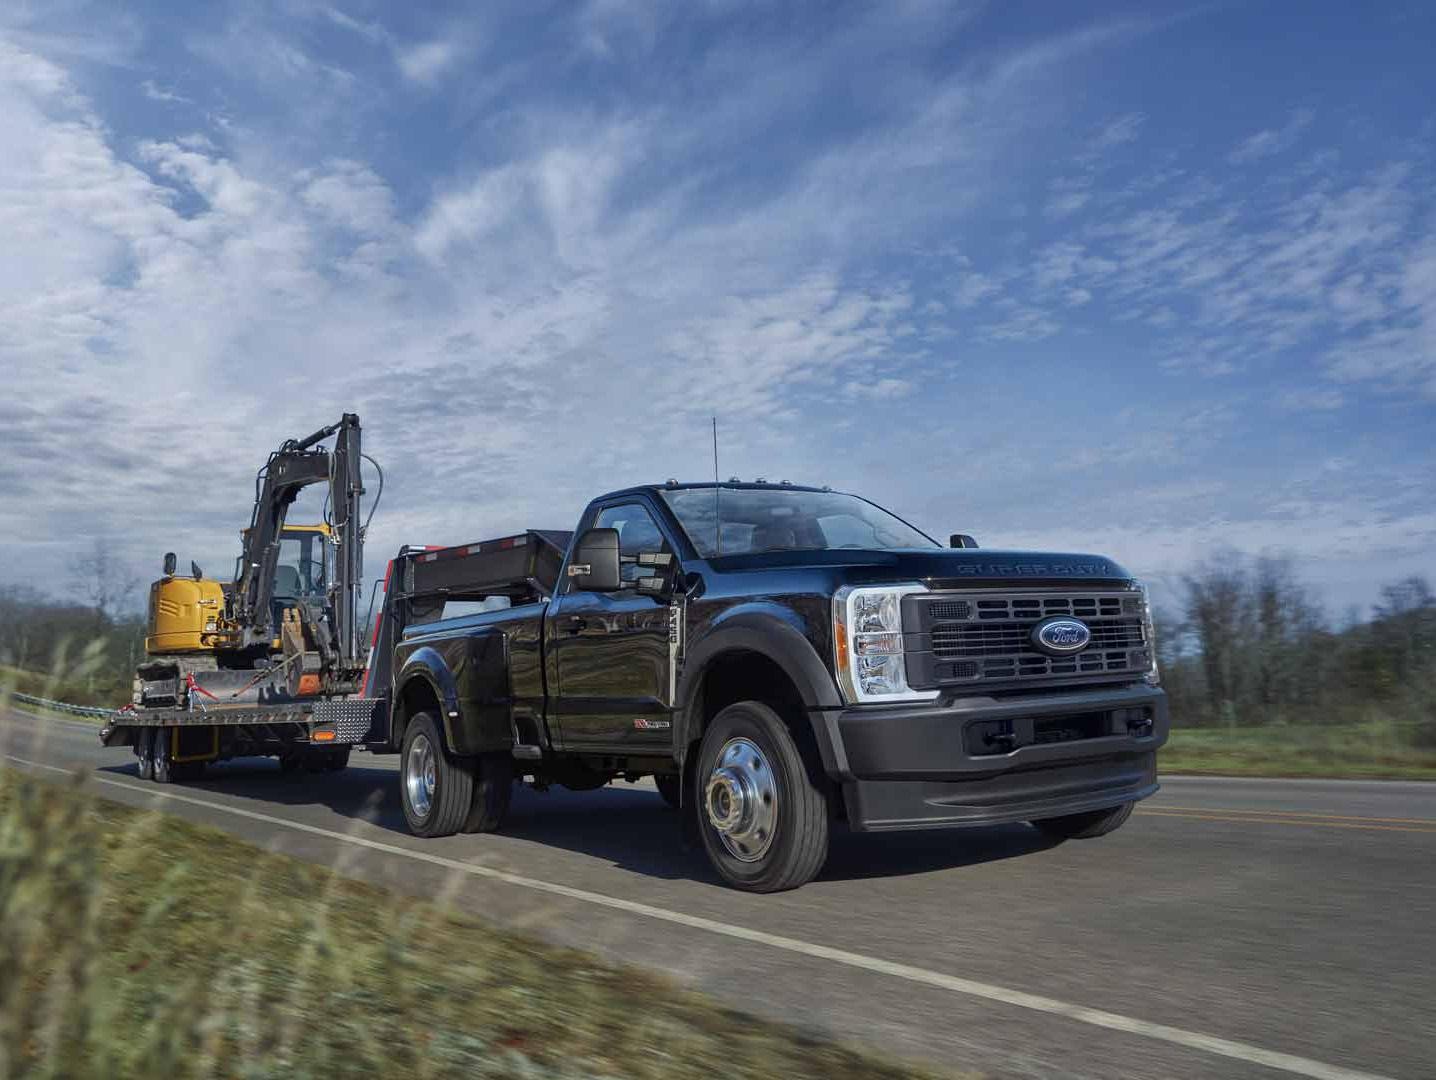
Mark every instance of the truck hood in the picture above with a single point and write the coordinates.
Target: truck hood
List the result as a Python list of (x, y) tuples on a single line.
[(939, 568)]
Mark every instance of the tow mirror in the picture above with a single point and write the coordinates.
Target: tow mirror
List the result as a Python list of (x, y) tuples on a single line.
[(594, 566), (961, 540), (170, 563)]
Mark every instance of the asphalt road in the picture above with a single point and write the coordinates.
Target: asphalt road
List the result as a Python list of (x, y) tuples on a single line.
[(1233, 928)]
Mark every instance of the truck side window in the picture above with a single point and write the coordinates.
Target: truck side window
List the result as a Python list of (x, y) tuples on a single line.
[(638, 534)]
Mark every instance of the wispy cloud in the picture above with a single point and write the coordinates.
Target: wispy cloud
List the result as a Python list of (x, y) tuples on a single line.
[(427, 62), (159, 93), (1271, 141)]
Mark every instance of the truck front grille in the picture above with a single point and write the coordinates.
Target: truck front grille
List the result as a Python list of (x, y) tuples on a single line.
[(986, 637)]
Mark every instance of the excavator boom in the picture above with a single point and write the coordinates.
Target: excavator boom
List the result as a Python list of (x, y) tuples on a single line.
[(294, 466)]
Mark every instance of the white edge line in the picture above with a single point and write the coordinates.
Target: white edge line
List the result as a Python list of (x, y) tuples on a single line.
[(1194, 1040)]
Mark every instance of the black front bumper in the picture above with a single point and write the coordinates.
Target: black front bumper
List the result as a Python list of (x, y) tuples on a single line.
[(983, 760)]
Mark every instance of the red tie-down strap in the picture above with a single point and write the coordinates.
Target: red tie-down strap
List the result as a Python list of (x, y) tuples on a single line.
[(195, 688)]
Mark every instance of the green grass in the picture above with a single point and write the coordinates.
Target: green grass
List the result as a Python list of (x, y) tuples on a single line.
[(1375, 749), (135, 944)]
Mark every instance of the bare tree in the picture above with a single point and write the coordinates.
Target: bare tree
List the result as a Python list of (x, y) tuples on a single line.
[(102, 582), (1405, 622), (1218, 614)]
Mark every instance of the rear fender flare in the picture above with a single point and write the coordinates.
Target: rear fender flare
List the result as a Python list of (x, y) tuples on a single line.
[(426, 664)]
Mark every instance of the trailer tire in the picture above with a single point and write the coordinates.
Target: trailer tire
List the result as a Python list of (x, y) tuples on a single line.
[(493, 789), (1086, 826), (144, 752), (762, 813), (436, 788), (160, 756)]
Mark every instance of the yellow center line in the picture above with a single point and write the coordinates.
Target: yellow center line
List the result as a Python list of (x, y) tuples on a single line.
[(1321, 815), (1308, 823)]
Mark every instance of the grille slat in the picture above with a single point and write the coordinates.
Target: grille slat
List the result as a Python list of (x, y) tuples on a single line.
[(987, 638)]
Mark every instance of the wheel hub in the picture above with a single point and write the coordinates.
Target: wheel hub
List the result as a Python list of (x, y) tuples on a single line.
[(419, 775), (741, 800)]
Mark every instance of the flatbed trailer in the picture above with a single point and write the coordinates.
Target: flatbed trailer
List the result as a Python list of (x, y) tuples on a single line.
[(196, 726)]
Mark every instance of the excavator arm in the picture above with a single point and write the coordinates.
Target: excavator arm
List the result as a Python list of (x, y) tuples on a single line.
[(297, 464)]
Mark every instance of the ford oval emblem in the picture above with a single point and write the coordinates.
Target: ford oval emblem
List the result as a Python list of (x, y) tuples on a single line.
[(1061, 636)]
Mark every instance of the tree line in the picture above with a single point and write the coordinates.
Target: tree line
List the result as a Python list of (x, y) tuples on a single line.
[(1250, 644)]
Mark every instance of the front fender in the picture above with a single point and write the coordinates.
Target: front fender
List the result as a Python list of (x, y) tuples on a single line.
[(772, 631)]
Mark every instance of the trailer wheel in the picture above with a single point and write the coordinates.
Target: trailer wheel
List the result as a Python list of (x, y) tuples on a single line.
[(436, 788), (668, 787), (762, 815), (1086, 826), (160, 757), (144, 751), (493, 788)]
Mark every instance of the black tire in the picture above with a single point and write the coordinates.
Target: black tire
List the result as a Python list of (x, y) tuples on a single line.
[(493, 789), (797, 846), (1086, 826), (160, 756), (452, 794), (144, 751), (337, 759), (669, 785)]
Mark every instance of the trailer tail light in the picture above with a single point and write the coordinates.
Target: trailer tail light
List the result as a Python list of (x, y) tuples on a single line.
[(323, 735)]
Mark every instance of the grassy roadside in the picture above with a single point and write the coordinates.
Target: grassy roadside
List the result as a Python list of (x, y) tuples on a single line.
[(1374, 750), (221, 959)]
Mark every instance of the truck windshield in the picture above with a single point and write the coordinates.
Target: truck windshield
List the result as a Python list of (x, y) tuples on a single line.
[(787, 519)]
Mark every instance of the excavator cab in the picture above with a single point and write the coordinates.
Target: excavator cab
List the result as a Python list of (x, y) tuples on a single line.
[(304, 569)]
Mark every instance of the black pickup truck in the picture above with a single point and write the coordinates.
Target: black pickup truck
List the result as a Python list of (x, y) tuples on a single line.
[(780, 659)]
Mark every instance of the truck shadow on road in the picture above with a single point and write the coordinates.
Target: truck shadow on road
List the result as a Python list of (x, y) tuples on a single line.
[(627, 826)]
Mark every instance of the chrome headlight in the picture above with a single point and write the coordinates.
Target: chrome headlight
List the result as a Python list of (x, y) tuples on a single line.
[(868, 644), (1153, 677)]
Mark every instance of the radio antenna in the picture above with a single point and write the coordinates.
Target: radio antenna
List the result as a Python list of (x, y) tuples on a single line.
[(717, 495)]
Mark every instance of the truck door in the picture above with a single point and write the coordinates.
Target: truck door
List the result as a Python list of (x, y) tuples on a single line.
[(613, 655)]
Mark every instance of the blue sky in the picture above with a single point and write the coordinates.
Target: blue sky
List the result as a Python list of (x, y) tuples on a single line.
[(1139, 279)]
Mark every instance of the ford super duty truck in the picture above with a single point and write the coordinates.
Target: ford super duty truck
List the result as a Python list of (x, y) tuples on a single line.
[(782, 660)]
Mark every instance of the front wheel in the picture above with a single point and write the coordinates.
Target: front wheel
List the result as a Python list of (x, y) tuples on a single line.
[(1086, 826), (762, 813), (436, 788)]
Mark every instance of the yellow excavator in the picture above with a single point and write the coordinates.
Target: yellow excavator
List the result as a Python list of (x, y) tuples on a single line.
[(288, 623), (187, 614)]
